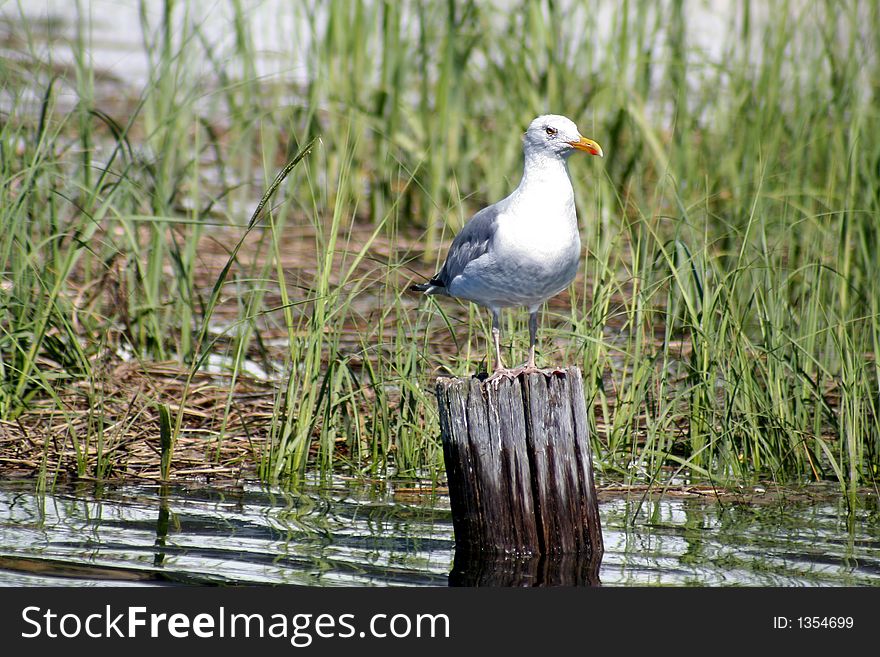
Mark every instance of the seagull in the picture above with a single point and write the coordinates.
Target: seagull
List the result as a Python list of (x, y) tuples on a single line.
[(525, 248)]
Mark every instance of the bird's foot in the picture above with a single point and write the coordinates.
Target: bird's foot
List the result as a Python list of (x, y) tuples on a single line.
[(512, 372), (501, 373), (531, 368), (528, 367)]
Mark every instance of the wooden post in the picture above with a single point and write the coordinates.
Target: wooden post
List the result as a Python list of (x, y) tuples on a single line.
[(524, 570), (519, 465)]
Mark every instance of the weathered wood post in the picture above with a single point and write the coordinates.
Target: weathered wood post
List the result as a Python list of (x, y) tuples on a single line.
[(519, 465)]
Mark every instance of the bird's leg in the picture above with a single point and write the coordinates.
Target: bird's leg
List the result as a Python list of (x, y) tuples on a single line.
[(533, 338), (496, 336), (500, 371), (529, 366)]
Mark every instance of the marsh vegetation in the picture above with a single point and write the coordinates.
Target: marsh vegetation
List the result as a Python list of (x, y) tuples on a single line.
[(727, 312)]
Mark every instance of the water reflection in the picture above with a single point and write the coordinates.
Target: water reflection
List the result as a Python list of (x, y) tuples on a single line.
[(525, 570), (355, 534), (162, 527), (689, 542)]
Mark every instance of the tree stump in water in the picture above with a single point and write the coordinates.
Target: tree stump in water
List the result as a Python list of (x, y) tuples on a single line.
[(519, 464)]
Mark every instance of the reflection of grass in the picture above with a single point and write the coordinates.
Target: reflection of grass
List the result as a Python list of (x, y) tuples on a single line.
[(801, 538), (726, 319)]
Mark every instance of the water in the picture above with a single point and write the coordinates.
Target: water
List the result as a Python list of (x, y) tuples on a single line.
[(372, 535), (281, 31)]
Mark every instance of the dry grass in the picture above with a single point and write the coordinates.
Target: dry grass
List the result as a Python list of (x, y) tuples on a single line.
[(66, 443)]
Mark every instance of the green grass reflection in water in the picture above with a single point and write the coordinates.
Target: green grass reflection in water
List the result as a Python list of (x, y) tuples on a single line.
[(368, 535)]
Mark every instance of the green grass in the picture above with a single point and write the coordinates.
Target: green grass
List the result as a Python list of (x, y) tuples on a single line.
[(727, 320)]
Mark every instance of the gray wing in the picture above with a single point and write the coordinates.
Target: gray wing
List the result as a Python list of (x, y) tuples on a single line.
[(474, 240)]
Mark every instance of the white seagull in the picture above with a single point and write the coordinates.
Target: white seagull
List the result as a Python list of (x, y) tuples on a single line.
[(525, 248)]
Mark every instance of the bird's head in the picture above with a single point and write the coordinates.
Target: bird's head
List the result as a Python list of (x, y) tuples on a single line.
[(559, 135)]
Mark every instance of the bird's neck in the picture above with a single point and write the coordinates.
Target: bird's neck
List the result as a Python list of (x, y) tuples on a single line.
[(543, 172), (545, 195)]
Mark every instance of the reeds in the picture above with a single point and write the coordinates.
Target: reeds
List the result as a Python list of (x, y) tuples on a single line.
[(726, 318)]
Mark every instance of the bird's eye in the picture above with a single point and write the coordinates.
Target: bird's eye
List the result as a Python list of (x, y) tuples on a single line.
[(551, 131)]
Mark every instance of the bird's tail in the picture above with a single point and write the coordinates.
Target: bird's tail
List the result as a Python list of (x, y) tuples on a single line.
[(431, 287)]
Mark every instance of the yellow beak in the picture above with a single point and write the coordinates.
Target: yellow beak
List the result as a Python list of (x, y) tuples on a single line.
[(588, 146)]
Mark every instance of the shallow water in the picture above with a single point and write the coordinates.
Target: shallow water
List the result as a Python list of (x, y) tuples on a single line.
[(361, 535), (282, 31)]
